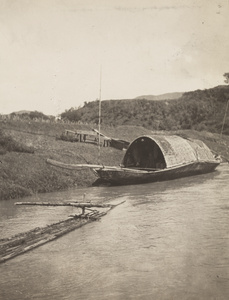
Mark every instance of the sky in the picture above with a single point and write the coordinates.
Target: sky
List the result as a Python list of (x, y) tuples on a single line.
[(58, 54)]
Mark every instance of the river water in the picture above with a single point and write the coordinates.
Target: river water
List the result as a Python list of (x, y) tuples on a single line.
[(168, 240)]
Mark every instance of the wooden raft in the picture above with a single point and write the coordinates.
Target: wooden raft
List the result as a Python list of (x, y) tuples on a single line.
[(23, 242)]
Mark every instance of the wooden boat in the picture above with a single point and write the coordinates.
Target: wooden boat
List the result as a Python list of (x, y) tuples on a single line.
[(156, 158)]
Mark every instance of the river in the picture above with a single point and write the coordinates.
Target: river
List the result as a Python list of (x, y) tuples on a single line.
[(168, 240)]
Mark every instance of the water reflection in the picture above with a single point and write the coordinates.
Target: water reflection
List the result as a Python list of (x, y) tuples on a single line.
[(169, 240)]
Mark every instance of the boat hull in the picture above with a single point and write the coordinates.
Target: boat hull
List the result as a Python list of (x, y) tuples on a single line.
[(125, 176)]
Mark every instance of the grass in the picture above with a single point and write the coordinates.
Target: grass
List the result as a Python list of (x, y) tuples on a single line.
[(24, 148), (23, 173)]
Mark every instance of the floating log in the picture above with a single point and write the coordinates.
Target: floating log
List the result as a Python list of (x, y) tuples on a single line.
[(27, 241), (24, 242)]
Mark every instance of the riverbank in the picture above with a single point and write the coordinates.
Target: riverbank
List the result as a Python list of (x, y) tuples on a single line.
[(25, 174)]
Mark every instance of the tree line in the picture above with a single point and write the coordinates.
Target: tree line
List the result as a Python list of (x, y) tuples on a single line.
[(198, 110)]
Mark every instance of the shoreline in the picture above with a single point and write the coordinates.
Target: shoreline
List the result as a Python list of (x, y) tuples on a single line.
[(26, 174)]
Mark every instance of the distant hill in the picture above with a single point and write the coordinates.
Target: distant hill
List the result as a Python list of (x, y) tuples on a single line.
[(30, 114), (198, 110), (21, 112), (167, 96)]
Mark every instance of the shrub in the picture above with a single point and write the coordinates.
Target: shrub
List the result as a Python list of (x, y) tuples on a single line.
[(67, 138), (7, 143)]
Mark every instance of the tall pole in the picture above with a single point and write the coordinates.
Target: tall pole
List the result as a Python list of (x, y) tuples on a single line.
[(224, 119), (100, 93)]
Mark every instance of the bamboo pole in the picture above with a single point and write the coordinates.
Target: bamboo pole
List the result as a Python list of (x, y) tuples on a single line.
[(78, 166), (100, 93), (71, 166), (80, 205)]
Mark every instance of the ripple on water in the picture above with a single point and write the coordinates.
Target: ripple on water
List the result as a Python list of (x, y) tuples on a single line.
[(169, 240)]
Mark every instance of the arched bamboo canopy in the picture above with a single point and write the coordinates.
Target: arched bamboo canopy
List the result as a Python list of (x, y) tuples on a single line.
[(160, 152)]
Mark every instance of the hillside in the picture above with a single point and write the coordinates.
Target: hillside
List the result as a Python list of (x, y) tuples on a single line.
[(167, 96), (197, 110)]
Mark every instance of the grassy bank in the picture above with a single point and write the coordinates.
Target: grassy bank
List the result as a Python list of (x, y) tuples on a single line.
[(24, 173)]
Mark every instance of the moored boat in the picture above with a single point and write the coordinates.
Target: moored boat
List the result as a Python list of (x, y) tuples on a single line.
[(156, 158)]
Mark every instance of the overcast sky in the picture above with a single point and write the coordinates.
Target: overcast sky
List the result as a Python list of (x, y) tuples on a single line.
[(51, 51)]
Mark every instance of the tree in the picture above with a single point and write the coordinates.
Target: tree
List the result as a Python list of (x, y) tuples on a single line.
[(226, 75)]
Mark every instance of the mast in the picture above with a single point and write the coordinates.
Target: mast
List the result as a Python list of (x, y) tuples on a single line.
[(100, 93)]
